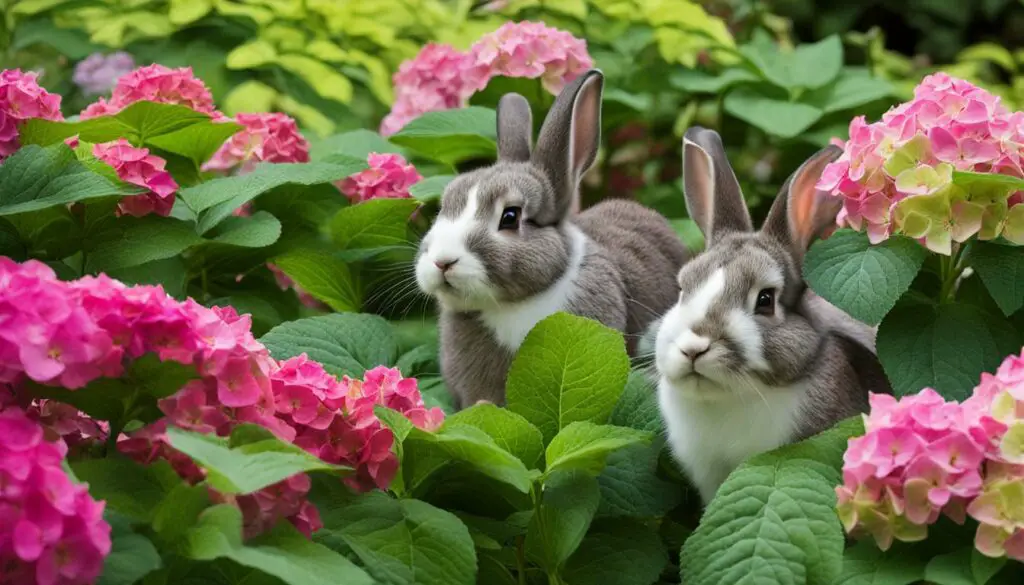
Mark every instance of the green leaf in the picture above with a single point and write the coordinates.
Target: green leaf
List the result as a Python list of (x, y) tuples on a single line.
[(968, 179), (356, 144), (259, 230), (130, 489), (850, 90), (586, 446), (252, 54), (249, 466), (1001, 268), (568, 369), (630, 485), (373, 224), (132, 557), (283, 552), (945, 347), (696, 81), (864, 564), (510, 431), (139, 123), (169, 273), (775, 116), (183, 12), (810, 65), (404, 542), (774, 519), (179, 511), (323, 276), (140, 240), (197, 142), (621, 552), (345, 344), (394, 420), (452, 136), (217, 199), (963, 567), (426, 452), (323, 78), (431, 188), (638, 408), (35, 178), (568, 504), (859, 278)]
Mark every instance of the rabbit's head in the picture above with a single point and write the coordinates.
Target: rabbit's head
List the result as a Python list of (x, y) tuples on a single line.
[(739, 326), (501, 235)]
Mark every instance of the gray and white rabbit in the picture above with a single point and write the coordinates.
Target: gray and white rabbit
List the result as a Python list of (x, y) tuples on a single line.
[(507, 249), (750, 359)]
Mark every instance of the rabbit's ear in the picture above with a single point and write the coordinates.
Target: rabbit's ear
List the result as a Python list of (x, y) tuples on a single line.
[(569, 139), (801, 212), (515, 128), (713, 196)]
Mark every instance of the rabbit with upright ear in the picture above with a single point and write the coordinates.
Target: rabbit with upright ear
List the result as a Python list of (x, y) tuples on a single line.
[(507, 249), (749, 359)]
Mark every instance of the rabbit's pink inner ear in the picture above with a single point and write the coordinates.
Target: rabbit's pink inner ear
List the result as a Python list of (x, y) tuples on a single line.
[(585, 129), (698, 185), (811, 210)]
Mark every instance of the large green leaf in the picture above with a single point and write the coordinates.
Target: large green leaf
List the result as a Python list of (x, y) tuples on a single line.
[(346, 344), (696, 81), (568, 369), (945, 347), (585, 446), (35, 178), (452, 136), (774, 519), (250, 461), (568, 504), (963, 567), (862, 279), (132, 490), (510, 431), (638, 408), (374, 224), (132, 557), (259, 230), (630, 485), (865, 564), (775, 116), (809, 65), (138, 123), (197, 142), (403, 542), (283, 552), (1001, 268), (431, 188), (322, 275), (133, 241), (851, 89), (426, 453), (622, 552), (358, 143)]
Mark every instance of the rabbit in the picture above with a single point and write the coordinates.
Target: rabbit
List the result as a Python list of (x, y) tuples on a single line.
[(749, 359), (507, 249)]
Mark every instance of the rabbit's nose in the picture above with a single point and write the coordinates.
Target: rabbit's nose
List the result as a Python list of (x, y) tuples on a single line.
[(692, 352), (445, 265)]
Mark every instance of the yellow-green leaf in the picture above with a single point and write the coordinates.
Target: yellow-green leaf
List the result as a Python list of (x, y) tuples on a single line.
[(258, 14), (327, 51), (324, 79), (309, 118), (380, 76), (251, 54), (250, 96), (187, 11)]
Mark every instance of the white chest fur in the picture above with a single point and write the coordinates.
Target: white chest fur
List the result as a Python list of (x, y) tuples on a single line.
[(510, 323), (710, 438)]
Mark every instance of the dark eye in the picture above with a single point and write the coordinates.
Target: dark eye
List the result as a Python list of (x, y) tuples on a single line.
[(765, 304), (510, 218)]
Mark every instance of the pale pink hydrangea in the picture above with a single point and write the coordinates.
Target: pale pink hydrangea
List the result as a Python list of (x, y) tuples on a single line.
[(68, 334), (21, 98), (51, 530), (922, 456), (138, 167), (156, 83), (271, 138), (389, 177), (436, 79), (896, 175)]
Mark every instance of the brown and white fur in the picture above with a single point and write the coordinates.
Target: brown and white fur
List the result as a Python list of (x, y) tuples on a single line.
[(507, 251), (749, 359)]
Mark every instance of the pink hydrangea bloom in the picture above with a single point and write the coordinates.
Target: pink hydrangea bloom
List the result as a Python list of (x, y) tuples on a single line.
[(51, 530), (922, 456), (896, 175), (436, 79), (271, 138), (532, 50), (138, 167), (21, 99), (156, 83), (389, 177), (68, 334)]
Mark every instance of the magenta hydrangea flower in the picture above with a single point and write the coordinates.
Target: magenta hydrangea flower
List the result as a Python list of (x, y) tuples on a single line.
[(271, 138), (138, 167), (156, 83), (436, 79), (532, 50), (922, 456), (51, 530), (68, 334), (389, 177), (98, 73), (896, 175), (21, 98)]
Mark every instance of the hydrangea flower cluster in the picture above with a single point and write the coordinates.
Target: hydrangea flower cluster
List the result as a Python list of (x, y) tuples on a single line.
[(441, 77), (156, 83), (98, 73), (138, 167), (389, 177), (70, 333), (264, 138), (51, 530), (21, 98), (896, 175), (922, 457)]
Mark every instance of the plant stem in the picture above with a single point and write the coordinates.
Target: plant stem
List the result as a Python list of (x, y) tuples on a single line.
[(950, 268), (521, 559)]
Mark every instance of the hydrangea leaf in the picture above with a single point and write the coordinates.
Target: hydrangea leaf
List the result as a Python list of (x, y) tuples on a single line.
[(323, 276), (431, 188), (963, 567), (637, 408), (452, 136), (810, 65), (586, 446), (132, 557), (133, 241), (775, 116), (1001, 268), (630, 486), (426, 453), (346, 344), (510, 431), (865, 564), (622, 552), (859, 278), (376, 223), (355, 144), (130, 489), (568, 504)]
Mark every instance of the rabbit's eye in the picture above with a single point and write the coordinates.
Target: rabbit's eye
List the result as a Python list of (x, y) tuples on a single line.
[(765, 304), (510, 218)]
